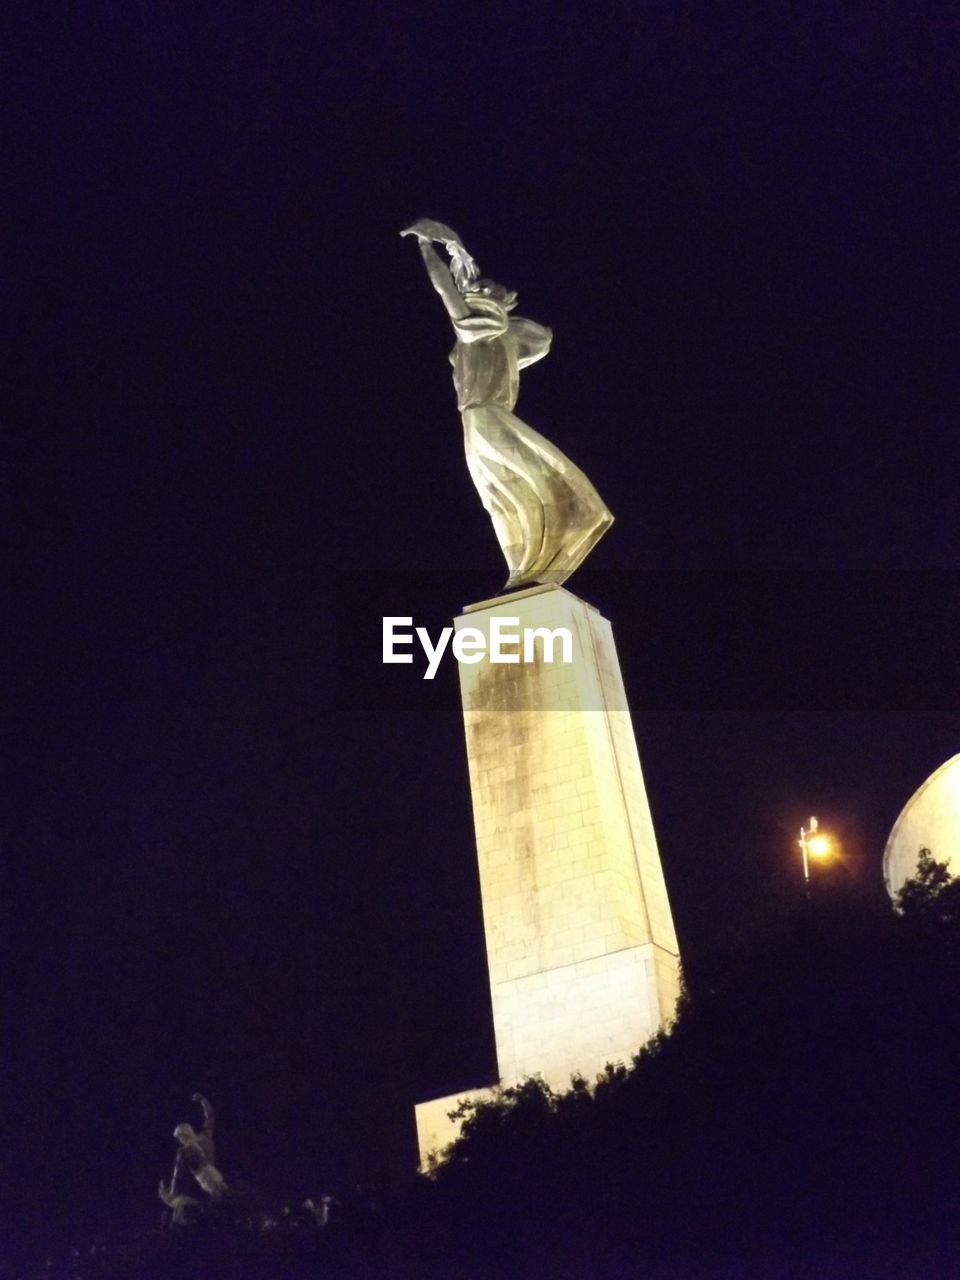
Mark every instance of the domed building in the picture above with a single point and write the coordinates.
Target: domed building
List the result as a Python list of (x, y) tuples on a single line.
[(929, 820)]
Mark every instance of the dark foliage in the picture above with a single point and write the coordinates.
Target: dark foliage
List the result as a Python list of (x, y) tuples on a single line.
[(798, 1120), (931, 900), (798, 1117)]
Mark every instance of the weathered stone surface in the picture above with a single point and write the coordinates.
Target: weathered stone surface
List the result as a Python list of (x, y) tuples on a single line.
[(581, 948)]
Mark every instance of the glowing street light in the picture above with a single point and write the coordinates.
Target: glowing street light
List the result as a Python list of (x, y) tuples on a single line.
[(814, 843)]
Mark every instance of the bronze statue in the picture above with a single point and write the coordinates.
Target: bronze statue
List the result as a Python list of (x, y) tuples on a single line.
[(546, 513), (197, 1156)]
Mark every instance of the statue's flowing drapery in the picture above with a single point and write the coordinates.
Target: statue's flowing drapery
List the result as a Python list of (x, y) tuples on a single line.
[(546, 513)]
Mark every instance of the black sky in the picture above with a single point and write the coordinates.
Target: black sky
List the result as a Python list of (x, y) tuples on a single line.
[(236, 860)]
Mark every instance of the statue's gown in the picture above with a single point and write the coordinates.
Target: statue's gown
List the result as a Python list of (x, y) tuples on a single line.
[(546, 513)]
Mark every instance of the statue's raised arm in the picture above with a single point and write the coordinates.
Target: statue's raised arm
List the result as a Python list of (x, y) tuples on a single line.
[(546, 513), (462, 270)]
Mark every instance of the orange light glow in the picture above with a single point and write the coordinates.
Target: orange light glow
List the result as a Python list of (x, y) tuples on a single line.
[(820, 845)]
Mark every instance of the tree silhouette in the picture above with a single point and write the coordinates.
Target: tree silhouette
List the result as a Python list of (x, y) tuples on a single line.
[(797, 1120), (932, 896)]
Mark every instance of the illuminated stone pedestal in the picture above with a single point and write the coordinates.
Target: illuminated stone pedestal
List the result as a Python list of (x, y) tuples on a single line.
[(581, 948)]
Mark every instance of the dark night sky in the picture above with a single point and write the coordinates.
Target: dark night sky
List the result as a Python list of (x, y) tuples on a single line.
[(235, 857)]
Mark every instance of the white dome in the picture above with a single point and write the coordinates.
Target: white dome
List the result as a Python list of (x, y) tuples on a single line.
[(930, 820)]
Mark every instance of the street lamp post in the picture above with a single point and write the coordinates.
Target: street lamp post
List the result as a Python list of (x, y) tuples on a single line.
[(814, 843)]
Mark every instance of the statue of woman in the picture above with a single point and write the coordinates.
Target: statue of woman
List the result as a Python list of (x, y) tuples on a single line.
[(195, 1155), (546, 513)]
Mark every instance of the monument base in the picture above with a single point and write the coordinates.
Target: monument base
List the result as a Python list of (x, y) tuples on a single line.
[(435, 1129), (581, 949)]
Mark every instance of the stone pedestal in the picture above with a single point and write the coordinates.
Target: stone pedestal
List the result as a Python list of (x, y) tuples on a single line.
[(581, 948)]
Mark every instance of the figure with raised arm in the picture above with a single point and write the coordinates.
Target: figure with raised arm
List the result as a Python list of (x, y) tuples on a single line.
[(546, 513), (195, 1155)]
